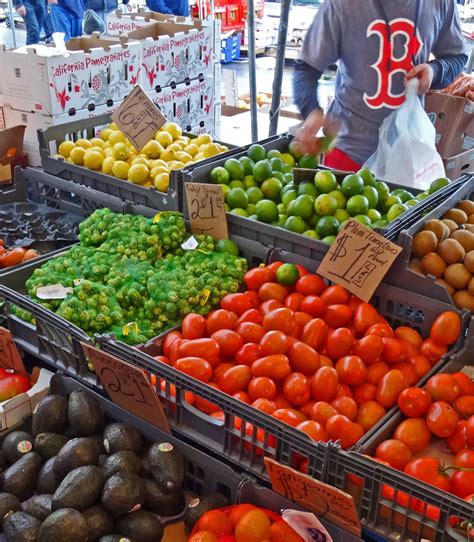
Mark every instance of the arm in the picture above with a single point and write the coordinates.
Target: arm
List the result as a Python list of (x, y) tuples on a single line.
[(159, 6), (445, 70), (305, 87)]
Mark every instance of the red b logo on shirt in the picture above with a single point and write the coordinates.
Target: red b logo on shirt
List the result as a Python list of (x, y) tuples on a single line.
[(384, 96)]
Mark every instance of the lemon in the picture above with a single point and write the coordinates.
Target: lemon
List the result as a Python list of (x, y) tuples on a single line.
[(152, 149), (120, 169), (168, 155), (140, 160), (162, 181), (184, 139), (163, 138), (65, 148), (138, 173), (97, 142), (199, 156), (107, 165), (109, 152), (184, 157), (175, 164), (84, 143), (112, 126), (203, 139), (192, 149), (174, 147), (93, 159), (100, 150), (156, 170), (211, 150), (156, 163), (77, 156), (173, 129), (120, 151), (116, 137), (105, 133)]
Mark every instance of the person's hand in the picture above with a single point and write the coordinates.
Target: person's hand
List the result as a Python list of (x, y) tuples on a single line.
[(21, 10), (307, 137), (424, 74)]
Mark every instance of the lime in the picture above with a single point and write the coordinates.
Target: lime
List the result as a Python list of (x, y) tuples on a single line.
[(363, 219), (227, 245), (438, 184), (396, 210), (312, 234), (288, 159), (227, 208), (287, 274), (374, 215), (288, 187), (367, 176), (295, 224), (239, 212), (287, 168), (237, 184), (282, 219), (254, 194), (327, 225), (308, 188), (308, 161), (267, 211), (342, 225), (380, 224), (295, 150), (313, 220), (411, 202), (357, 205), (257, 153), (251, 208), (273, 153), (372, 195), (340, 198), (352, 185), (289, 177), (281, 208), (225, 189), (422, 196), (289, 196), (277, 164), (391, 200), (271, 188), (262, 170), (235, 169), (237, 198), (329, 239), (219, 175), (325, 181), (303, 206), (341, 215), (383, 190), (249, 181), (279, 175), (325, 205), (253, 217), (248, 164), (403, 194)]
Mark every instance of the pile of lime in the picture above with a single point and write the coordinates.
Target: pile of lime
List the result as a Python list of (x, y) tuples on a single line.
[(260, 186)]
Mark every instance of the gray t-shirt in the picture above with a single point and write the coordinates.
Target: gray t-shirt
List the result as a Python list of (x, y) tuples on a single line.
[(370, 78)]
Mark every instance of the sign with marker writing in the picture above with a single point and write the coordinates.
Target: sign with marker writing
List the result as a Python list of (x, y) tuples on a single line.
[(206, 209), (358, 259), (128, 386), (9, 356), (138, 118), (324, 500)]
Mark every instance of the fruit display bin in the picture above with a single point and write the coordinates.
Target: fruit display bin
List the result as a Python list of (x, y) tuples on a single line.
[(50, 139), (242, 446), (12, 192), (400, 272), (296, 243)]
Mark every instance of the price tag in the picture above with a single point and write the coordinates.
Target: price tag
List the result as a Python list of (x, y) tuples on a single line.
[(128, 387), (9, 356), (138, 118), (230, 87), (53, 291), (306, 525), (206, 209), (322, 499), (190, 244), (358, 259)]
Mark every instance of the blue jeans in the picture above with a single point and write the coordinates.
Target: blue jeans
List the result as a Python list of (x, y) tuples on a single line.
[(47, 23), (65, 22), (33, 20)]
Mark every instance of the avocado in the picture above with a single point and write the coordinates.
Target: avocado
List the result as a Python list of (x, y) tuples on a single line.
[(113, 538), (21, 527), (50, 415), (119, 436), (16, 445), (80, 488), (64, 525), (140, 526), (39, 506), (49, 444), (162, 503), (2, 460), (99, 521), (123, 491), (8, 503), (122, 461), (199, 506), (166, 464), (47, 481), (78, 452), (20, 478), (99, 440), (85, 414)]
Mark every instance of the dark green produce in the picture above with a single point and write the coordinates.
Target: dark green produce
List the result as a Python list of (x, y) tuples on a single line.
[(140, 526), (50, 415), (66, 524), (99, 521), (166, 465), (123, 492), (119, 436), (78, 452), (85, 414), (16, 445), (8, 503), (47, 480), (125, 460), (20, 478), (80, 488), (39, 506), (48, 445), (21, 527)]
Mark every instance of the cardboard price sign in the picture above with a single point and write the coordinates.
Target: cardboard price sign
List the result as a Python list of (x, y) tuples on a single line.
[(324, 500), (358, 259), (138, 118), (128, 387), (9, 356), (206, 209)]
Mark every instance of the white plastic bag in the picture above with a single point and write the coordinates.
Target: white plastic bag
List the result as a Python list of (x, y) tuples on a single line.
[(407, 153)]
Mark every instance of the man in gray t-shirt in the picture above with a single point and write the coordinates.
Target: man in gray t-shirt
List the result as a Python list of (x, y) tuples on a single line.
[(378, 45)]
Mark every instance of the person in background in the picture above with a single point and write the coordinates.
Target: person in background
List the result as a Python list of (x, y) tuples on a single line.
[(171, 7), (102, 7), (32, 12), (67, 17), (378, 45), (47, 24)]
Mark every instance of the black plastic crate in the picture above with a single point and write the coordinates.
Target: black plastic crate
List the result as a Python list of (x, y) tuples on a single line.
[(12, 192)]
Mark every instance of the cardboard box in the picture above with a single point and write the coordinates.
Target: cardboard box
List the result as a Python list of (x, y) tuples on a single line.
[(173, 53), (124, 22), (460, 164), (93, 71), (11, 138), (453, 118)]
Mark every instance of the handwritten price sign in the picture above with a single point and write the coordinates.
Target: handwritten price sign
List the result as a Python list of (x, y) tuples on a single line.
[(128, 386), (206, 209), (322, 499), (138, 118), (358, 259)]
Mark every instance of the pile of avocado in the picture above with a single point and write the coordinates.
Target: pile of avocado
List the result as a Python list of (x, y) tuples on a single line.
[(75, 478)]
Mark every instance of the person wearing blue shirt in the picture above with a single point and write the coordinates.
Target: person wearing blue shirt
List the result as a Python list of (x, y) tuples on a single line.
[(32, 12), (67, 17), (171, 7), (102, 7)]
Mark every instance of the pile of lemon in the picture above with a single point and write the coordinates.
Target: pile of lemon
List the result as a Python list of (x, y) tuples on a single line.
[(113, 154)]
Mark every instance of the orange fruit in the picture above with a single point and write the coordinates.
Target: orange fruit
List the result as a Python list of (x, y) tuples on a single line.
[(282, 532), (203, 536), (254, 526), (238, 511), (216, 522)]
